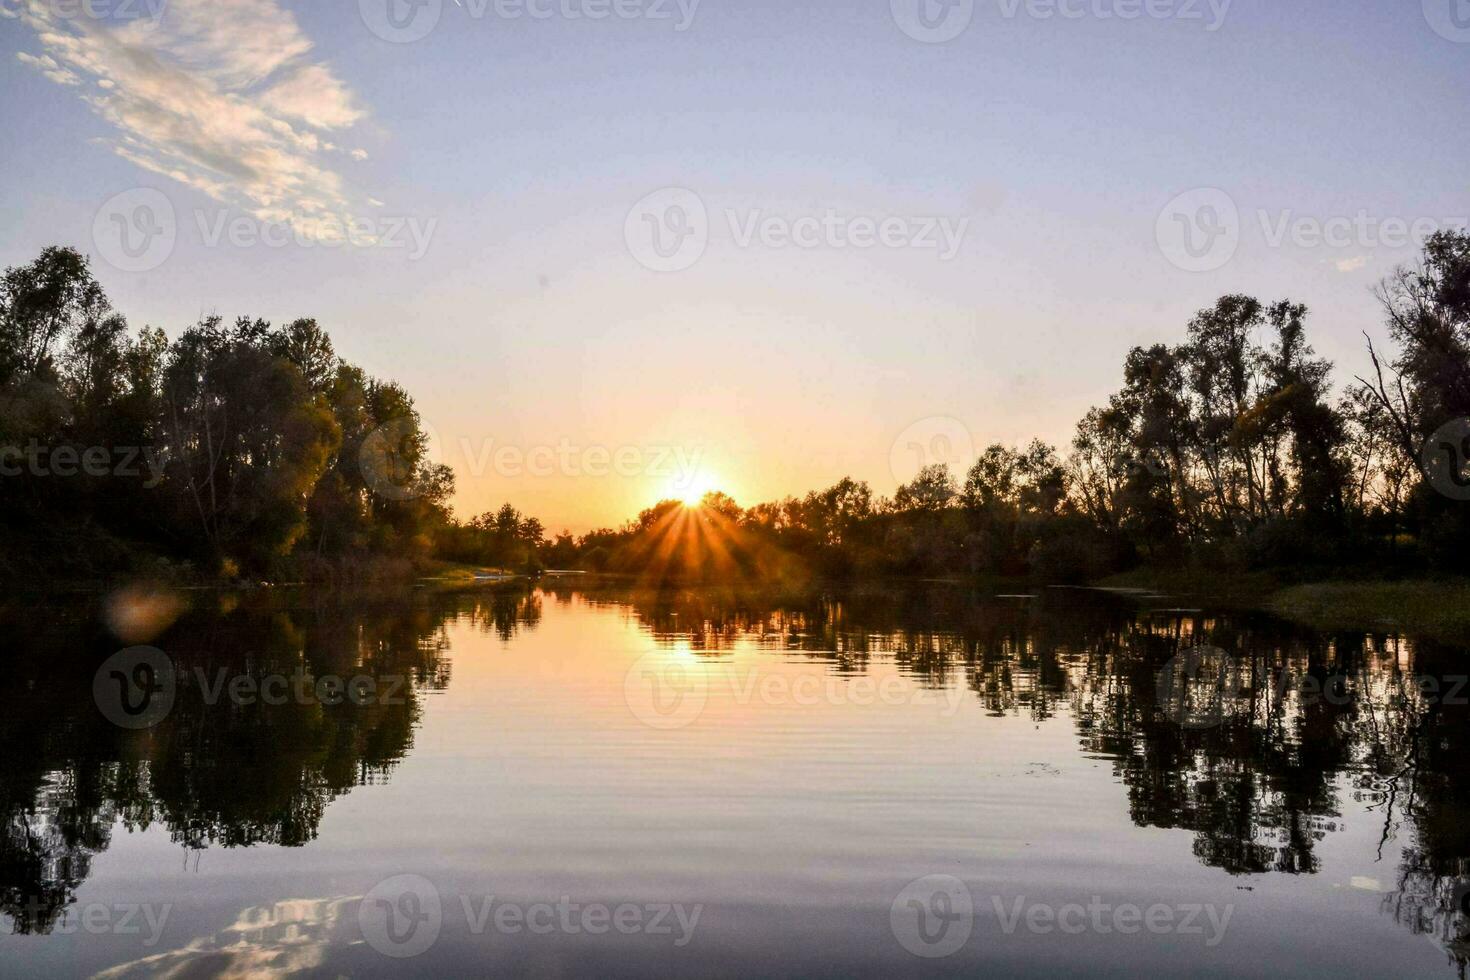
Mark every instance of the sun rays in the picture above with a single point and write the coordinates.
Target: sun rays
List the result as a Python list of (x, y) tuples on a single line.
[(691, 538), (691, 490)]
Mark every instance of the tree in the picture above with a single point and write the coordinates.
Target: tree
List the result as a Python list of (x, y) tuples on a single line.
[(1428, 312), (306, 345), (931, 490), (246, 439), (1425, 390), (41, 306)]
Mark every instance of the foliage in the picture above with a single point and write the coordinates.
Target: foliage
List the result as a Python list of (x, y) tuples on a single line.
[(246, 449), (1227, 450), (235, 448)]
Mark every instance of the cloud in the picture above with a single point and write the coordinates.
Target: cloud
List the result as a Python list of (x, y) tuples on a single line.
[(313, 95), (47, 66), (1353, 264), (220, 95), (289, 937)]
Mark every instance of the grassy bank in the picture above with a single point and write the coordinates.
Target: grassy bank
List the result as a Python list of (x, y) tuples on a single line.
[(1436, 609), (1230, 588), (459, 573)]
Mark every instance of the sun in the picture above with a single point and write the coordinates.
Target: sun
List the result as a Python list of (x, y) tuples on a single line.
[(690, 489)]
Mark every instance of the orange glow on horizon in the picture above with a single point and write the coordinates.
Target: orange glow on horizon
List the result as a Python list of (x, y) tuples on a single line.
[(690, 491)]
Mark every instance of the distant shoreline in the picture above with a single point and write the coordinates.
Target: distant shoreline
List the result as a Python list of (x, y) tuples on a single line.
[(1434, 608)]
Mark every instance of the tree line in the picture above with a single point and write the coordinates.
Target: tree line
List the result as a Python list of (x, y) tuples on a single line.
[(1229, 451), (243, 449), (238, 449)]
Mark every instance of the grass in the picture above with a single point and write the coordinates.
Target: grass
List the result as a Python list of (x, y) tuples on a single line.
[(1243, 588), (1436, 609), (456, 572)]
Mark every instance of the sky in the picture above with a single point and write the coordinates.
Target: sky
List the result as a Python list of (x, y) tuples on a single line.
[(621, 250)]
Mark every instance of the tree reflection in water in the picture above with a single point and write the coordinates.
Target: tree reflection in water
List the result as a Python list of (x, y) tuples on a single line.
[(213, 772), (1305, 718)]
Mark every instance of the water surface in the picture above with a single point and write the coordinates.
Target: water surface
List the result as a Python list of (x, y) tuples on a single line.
[(584, 780)]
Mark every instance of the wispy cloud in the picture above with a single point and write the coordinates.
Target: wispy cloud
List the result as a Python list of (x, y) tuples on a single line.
[(47, 66), (221, 95)]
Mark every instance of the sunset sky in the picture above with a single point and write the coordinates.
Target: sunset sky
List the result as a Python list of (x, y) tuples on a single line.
[(499, 171)]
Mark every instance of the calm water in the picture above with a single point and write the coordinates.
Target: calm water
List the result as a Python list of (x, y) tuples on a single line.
[(574, 782)]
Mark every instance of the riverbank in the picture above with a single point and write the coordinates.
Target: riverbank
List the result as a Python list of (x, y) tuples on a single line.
[(1437, 609), (1428, 608)]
